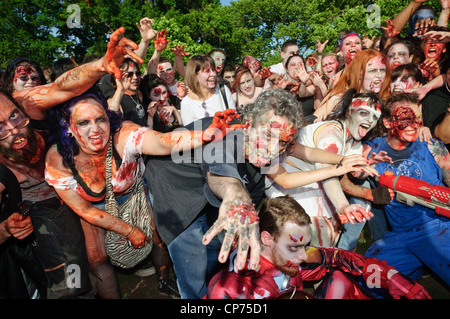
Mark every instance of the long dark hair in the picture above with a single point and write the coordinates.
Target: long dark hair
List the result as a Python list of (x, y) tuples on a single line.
[(341, 110), (59, 121)]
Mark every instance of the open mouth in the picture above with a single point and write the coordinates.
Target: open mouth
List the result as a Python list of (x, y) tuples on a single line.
[(363, 129), (19, 143), (432, 53), (96, 139)]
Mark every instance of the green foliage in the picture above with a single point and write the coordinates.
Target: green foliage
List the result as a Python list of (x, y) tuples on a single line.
[(39, 29)]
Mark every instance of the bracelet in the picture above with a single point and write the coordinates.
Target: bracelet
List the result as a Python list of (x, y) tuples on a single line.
[(131, 231)]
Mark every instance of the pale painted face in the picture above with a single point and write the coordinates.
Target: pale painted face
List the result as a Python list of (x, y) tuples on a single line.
[(363, 118), (289, 250), (268, 140), (398, 54), (160, 94), (351, 46), (25, 77), (403, 83), (207, 77), (219, 60), (89, 125), (330, 66), (374, 75), (247, 85), (166, 72)]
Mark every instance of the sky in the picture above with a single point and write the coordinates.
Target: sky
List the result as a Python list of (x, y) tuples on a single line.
[(225, 2)]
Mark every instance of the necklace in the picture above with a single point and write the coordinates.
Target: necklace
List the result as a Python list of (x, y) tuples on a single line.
[(446, 85), (139, 108)]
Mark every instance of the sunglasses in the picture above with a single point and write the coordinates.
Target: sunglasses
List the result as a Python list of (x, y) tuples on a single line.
[(130, 74)]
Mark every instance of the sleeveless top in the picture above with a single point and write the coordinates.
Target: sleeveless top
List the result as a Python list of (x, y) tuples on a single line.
[(122, 180)]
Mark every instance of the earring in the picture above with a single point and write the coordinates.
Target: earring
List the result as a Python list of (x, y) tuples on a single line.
[(70, 134)]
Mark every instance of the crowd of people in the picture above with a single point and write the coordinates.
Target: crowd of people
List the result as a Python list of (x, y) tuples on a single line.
[(257, 181)]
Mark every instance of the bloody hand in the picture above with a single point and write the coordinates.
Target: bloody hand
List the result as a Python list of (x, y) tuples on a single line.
[(116, 51), (221, 125), (161, 41), (240, 220)]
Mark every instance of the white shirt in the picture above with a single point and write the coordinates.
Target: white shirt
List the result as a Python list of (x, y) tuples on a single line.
[(278, 68), (192, 110)]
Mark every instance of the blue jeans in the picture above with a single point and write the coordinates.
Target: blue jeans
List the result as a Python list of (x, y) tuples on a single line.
[(193, 262), (427, 244)]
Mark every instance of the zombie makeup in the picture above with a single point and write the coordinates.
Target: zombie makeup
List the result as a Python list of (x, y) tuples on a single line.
[(268, 140), (421, 14), (229, 76), (374, 75), (351, 45), (289, 250), (247, 85), (398, 54), (363, 117), (166, 72), (252, 63), (330, 66), (25, 77), (89, 125), (160, 94), (402, 83), (405, 123), (207, 77), (18, 142), (219, 60), (433, 51)]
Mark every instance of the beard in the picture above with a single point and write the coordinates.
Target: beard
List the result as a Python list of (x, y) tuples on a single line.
[(24, 155), (284, 266)]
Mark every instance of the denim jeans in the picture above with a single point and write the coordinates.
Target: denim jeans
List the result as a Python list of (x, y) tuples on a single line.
[(377, 224), (193, 262)]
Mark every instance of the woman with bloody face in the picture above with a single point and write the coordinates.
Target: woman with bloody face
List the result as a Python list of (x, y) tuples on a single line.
[(368, 72), (76, 167), (162, 115), (22, 73)]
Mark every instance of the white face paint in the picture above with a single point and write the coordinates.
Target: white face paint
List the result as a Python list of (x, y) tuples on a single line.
[(403, 83), (289, 250), (398, 54), (219, 60), (374, 75), (363, 118)]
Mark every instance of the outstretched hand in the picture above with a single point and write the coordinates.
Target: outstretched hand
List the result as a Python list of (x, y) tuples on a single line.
[(220, 125), (116, 51), (239, 220)]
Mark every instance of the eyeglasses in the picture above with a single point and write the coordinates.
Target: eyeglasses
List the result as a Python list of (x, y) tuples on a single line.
[(17, 120), (130, 74), (204, 107)]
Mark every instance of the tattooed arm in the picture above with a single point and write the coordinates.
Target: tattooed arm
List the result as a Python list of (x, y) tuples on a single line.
[(238, 217), (442, 157), (76, 81)]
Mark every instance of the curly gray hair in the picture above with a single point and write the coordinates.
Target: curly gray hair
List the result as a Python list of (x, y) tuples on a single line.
[(281, 102)]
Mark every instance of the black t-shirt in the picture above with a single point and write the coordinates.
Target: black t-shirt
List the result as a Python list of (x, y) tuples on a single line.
[(133, 108), (434, 107), (178, 184)]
